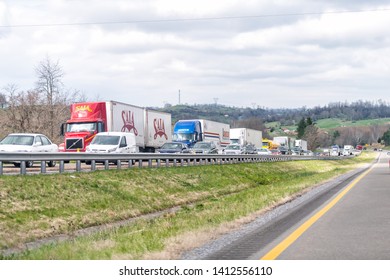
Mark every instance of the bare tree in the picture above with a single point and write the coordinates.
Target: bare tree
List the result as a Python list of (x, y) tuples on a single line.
[(312, 137), (56, 97), (42, 109), (24, 110), (3, 100)]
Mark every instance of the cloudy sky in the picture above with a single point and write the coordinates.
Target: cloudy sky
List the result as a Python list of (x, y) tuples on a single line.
[(274, 54)]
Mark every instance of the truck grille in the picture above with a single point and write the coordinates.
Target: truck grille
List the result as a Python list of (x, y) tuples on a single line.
[(74, 143)]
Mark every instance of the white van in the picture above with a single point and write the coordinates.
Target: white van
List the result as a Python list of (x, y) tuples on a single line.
[(113, 142)]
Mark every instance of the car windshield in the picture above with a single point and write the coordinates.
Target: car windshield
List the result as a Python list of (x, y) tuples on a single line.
[(170, 146), (105, 140), (233, 147), (202, 146), (18, 140)]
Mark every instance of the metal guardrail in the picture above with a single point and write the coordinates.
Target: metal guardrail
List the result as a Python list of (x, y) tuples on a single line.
[(139, 159)]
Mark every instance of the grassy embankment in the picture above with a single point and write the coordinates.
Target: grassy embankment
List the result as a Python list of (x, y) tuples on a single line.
[(212, 199)]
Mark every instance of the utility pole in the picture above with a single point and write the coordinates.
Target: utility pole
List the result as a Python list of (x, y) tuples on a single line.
[(179, 96)]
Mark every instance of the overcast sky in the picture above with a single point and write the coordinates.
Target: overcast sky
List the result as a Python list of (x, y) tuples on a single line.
[(274, 54)]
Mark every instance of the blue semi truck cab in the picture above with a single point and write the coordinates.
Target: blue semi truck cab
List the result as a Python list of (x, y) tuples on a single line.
[(188, 132), (192, 131)]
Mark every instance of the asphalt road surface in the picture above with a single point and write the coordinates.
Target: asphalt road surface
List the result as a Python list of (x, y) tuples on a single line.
[(349, 219)]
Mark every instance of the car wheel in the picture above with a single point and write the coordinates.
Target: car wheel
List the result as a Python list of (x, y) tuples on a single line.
[(51, 163)]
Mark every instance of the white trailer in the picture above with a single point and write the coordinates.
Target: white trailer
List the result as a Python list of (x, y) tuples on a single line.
[(284, 141), (301, 144), (158, 128), (286, 144), (243, 136), (151, 128)]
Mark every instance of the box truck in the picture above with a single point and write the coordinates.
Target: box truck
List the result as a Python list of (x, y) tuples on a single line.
[(151, 128), (196, 130), (244, 136), (285, 144), (301, 144), (348, 150), (300, 147)]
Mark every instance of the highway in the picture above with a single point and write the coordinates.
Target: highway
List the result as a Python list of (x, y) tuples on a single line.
[(347, 219)]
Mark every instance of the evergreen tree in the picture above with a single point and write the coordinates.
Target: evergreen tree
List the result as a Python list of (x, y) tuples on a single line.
[(336, 134), (301, 128), (386, 137)]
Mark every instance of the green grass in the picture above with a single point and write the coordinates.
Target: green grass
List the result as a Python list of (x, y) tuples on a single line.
[(328, 124), (35, 207)]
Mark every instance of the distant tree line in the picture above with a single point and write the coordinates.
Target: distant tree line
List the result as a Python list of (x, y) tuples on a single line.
[(354, 111), (305, 120)]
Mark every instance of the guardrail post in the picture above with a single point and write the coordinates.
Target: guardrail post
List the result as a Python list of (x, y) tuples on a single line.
[(181, 162), (23, 167), (1, 168), (167, 163), (140, 163), (150, 163), (43, 166), (158, 162), (62, 166), (106, 164), (118, 164), (174, 162), (130, 163), (78, 165), (93, 165)]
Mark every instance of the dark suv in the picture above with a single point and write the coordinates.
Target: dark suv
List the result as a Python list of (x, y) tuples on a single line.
[(204, 148)]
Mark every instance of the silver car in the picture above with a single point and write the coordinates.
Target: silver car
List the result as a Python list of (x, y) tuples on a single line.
[(233, 149)]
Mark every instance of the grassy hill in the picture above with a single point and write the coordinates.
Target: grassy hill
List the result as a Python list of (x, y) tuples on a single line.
[(327, 125), (333, 123)]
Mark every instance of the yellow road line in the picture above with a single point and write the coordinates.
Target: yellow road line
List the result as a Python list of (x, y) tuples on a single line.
[(278, 249)]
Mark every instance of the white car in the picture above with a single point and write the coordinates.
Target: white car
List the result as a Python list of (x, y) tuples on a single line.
[(28, 142), (263, 151)]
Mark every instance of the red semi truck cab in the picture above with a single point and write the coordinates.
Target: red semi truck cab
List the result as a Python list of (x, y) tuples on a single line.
[(86, 120)]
